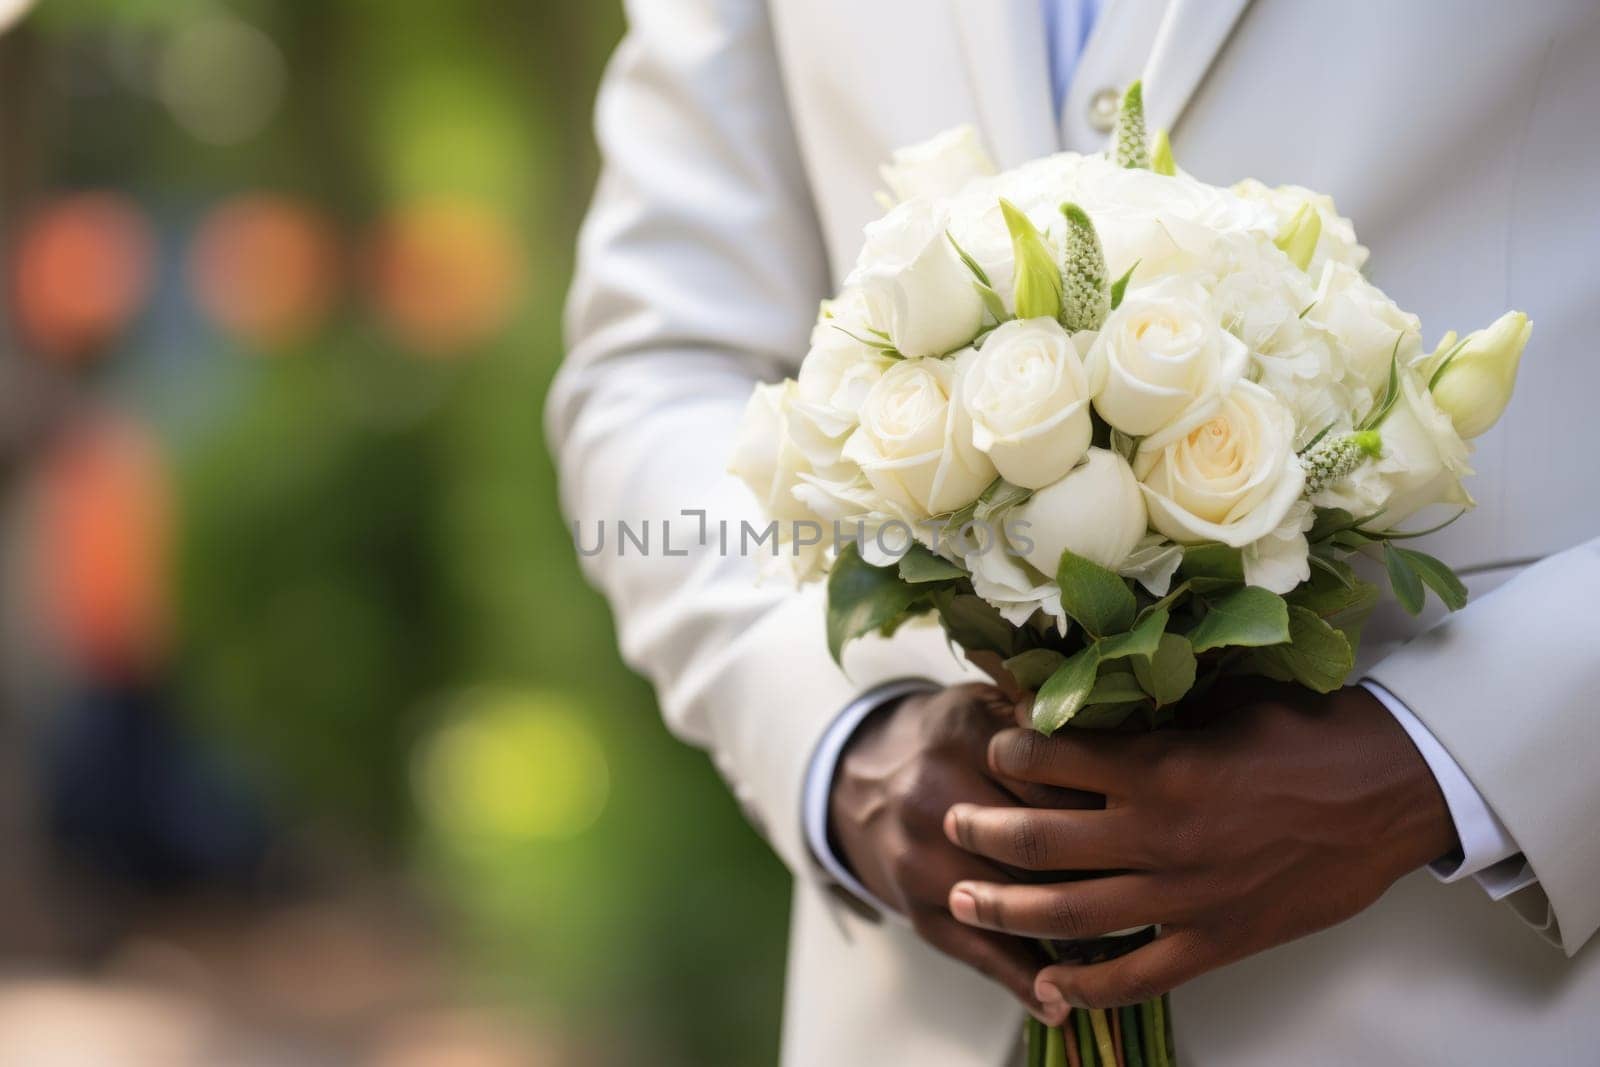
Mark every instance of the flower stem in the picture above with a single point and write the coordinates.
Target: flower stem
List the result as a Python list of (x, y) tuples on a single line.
[(1102, 1038), (1171, 1052), (1085, 1038), (1130, 1036), (1035, 1036), (1061, 1052), (1148, 1035)]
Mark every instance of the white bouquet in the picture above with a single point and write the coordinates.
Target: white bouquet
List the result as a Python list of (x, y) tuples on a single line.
[(1119, 429)]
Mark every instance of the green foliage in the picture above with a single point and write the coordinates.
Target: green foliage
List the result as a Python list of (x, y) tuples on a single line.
[(863, 599), (1066, 691), (1096, 598), (1170, 673), (972, 622), (1410, 570), (1317, 656), (919, 566), (1248, 616), (1034, 667), (1119, 288)]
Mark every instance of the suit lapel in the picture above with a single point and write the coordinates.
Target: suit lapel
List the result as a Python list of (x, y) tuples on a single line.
[(1191, 34), (1007, 67)]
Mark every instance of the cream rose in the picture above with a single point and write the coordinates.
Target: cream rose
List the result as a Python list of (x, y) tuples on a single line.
[(1365, 324), (1423, 461), (1096, 510), (1231, 479), (1337, 239), (917, 291), (914, 443), (765, 456), (1028, 397), (1164, 360), (939, 166)]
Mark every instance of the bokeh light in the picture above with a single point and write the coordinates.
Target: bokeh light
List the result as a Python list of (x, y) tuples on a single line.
[(510, 766), (445, 274), (265, 267), (11, 11), (222, 79), (103, 540), (82, 270)]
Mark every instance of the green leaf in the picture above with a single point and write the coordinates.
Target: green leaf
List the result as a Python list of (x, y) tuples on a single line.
[(863, 598), (1436, 575), (1391, 394), (1034, 667), (1212, 561), (977, 271), (1115, 687), (1403, 579), (1248, 616), (920, 565), (1142, 640), (1317, 656), (974, 624), (1169, 674), (1066, 691), (1119, 288), (1338, 597), (1098, 599), (1097, 716)]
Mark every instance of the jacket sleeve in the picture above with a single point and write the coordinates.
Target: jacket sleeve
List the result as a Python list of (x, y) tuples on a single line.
[(1510, 686), (700, 269)]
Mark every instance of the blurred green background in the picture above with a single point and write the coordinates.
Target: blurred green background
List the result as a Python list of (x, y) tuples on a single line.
[(284, 291)]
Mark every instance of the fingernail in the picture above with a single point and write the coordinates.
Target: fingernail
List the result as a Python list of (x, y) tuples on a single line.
[(950, 828), (964, 905), (1052, 1009)]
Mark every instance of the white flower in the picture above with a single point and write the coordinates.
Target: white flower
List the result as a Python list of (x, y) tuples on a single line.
[(939, 166), (1028, 396), (1282, 559), (1164, 360), (1476, 386), (918, 293), (1338, 240), (765, 456), (833, 383), (1096, 510), (1013, 587), (1231, 479), (914, 443), (1152, 563), (1365, 324), (1423, 461)]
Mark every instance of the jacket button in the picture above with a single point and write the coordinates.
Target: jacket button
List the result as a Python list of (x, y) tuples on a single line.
[(1103, 109)]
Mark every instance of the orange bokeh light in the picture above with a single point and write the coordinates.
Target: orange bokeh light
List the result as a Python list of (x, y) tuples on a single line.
[(265, 267), (81, 272), (445, 274), (103, 534)]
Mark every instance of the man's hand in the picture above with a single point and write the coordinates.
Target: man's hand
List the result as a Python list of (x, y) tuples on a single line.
[(899, 776), (1286, 815)]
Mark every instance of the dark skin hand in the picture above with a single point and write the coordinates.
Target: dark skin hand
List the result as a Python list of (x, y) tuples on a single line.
[(895, 782), (1287, 814)]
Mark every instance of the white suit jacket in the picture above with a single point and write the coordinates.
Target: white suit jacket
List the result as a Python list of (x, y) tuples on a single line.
[(741, 141)]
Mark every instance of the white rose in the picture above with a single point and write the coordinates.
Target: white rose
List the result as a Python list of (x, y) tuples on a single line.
[(1164, 359), (836, 375), (1097, 511), (765, 456), (1337, 242), (938, 167), (914, 443), (1366, 324), (1231, 479), (1028, 397), (1423, 460), (917, 291)]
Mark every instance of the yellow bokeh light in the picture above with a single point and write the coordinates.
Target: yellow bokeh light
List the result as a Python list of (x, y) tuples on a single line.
[(509, 765)]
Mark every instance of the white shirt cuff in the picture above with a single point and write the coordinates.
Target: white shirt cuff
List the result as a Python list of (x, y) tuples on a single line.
[(1488, 853), (819, 779)]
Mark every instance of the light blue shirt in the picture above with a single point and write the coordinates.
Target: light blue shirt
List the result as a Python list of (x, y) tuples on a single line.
[(1067, 25)]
